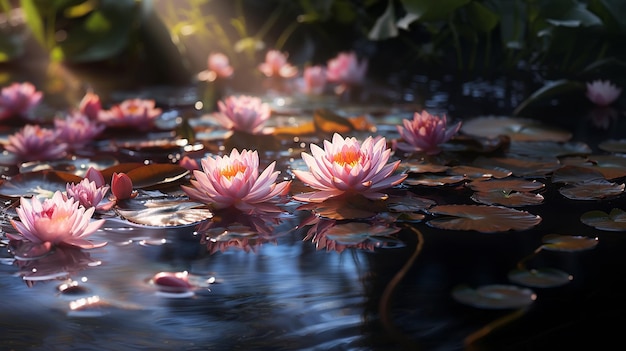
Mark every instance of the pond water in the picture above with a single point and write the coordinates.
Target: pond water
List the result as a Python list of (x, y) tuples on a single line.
[(285, 291)]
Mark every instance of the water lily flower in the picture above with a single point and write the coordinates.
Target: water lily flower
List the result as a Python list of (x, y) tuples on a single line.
[(34, 143), (77, 130), (314, 80), (55, 221), (602, 92), (346, 70), (243, 113), (122, 186), (234, 181), (219, 64), (95, 176), (137, 113), (90, 106), (18, 99), (276, 65), (89, 194), (424, 133), (189, 163), (345, 166)]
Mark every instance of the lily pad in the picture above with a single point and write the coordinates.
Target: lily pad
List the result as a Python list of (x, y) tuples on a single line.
[(568, 243), (470, 172), (518, 129), (521, 167), (496, 296), (540, 278), (592, 190), (341, 208), (435, 180), (543, 149), (40, 183), (167, 213), (507, 198), (482, 218), (506, 185), (575, 174), (613, 221), (355, 232), (613, 145), (155, 175)]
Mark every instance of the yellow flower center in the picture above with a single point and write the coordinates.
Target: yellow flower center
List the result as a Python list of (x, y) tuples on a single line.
[(347, 157), (231, 170)]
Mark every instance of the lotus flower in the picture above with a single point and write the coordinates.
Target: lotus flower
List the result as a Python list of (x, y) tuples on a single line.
[(90, 106), (77, 130), (276, 65), (243, 113), (234, 180), (55, 221), (137, 113), (314, 80), (219, 64), (346, 70), (33, 143), (602, 93), (189, 163), (88, 194), (346, 166), (424, 133), (18, 99), (122, 186), (95, 176)]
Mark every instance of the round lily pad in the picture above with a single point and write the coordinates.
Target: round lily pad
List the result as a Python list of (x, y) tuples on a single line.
[(614, 221), (496, 296), (569, 243), (540, 278), (482, 218)]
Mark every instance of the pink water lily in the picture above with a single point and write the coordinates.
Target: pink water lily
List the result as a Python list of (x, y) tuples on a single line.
[(425, 133), (276, 65), (243, 113), (137, 113), (314, 80), (90, 106), (122, 186), (55, 221), (89, 194), (220, 65), (602, 92), (34, 143), (234, 181), (18, 99), (345, 166), (346, 69), (77, 130)]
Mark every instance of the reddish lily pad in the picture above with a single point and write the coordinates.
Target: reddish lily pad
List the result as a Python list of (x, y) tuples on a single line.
[(521, 167), (507, 198), (125, 167), (540, 278), (506, 185), (341, 208), (613, 145), (568, 243), (356, 232), (157, 174), (40, 183), (408, 203), (592, 190), (519, 129), (482, 218), (435, 180), (544, 149), (420, 167), (496, 296), (613, 221), (470, 172), (575, 174)]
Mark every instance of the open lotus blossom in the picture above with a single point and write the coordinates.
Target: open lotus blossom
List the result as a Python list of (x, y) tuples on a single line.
[(234, 181), (34, 143), (77, 130), (345, 166), (424, 133), (136, 113), (602, 92), (276, 65), (89, 194), (243, 113), (18, 99), (346, 70), (55, 221), (313, 80), (90, 106)]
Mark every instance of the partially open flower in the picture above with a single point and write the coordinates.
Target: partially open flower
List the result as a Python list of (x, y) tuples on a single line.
[(122, 186), (55, 221), (234, 180), (314, 80), (77, 130), (276, 65), (18, 99), (33, 143), (243, 113), (137, 113), (88, 194), (602, 92), (95, 176), (219, 64), (424, 133), (346, 166), (90, 106), (346, 70), (189, 163)]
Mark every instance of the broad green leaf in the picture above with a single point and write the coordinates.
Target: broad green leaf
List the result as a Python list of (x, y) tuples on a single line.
[(428, 10), (571, 15), (481, 17), (385, 26), (34, 20), (550, 90)]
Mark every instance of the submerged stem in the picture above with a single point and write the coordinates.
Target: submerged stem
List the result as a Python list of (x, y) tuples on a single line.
[(471, 339), (383, 306)]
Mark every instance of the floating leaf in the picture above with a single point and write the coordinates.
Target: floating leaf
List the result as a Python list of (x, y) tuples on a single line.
[(152, 175), (340, 208), (592, 190), (518, 129), (543, 149), (355, 232), (497, 296), (506, 185), (420, 167), (167, 213), (507, 198), (613, 221), (470, 172), (540, 278), (41, 183), (521, 167), (326, 120), (568, 243), (408, 203), (125, 167), (613, 145), (482, 218), (575, 174), (434, 180)]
